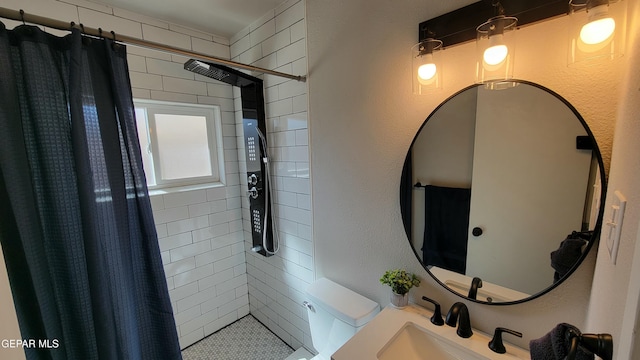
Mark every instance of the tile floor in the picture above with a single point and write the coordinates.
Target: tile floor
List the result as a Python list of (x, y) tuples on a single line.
[(245, 339)]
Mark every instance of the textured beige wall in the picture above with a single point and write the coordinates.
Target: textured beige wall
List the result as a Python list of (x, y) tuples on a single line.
[(614, 301)]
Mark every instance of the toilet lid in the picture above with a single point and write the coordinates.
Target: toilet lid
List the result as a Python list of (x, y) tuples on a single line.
[(343, 303)]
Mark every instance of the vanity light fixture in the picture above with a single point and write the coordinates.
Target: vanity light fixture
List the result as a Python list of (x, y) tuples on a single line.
[(597, 30), (426, 65), (495, 46)]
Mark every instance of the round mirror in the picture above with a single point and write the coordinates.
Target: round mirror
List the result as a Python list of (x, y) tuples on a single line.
[(501, 192)]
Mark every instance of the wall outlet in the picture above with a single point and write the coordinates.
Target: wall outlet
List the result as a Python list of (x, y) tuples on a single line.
[(613, 224)]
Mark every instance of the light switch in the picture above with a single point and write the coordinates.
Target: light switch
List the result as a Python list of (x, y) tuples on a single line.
[(613, 224)]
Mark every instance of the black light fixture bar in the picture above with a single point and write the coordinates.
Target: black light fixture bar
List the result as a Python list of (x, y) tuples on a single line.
[(460, 25)]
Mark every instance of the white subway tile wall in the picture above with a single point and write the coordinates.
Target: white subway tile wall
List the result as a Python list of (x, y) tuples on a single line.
[(199, 231), (276, 284), (202, 246)]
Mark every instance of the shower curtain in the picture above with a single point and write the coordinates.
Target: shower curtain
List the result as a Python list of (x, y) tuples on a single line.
[(76, 226)]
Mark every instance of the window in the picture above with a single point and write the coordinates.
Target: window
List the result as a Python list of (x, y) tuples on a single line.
[(181, 143)]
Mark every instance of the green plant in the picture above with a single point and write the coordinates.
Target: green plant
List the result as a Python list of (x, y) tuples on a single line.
[(400, 281)]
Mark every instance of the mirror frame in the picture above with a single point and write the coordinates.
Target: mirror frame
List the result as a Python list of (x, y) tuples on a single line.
[(603, 193)]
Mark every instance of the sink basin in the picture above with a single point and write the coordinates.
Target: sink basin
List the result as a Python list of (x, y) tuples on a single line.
[(408, 334), (413, 342)]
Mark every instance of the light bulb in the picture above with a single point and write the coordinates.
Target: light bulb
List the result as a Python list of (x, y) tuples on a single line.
[(496, 54), (427, 71), (600, 26), (597, 31)]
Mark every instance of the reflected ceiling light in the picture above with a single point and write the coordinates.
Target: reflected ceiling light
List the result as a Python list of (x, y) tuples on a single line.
[(427, 69), (597, 30), (495, 45)]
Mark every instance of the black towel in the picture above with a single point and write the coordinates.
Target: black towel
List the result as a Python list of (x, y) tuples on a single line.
[(446, 227), (566, 256), (555, 345)]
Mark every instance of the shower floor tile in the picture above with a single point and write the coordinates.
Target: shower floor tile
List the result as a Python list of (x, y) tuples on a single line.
[(245, 339)]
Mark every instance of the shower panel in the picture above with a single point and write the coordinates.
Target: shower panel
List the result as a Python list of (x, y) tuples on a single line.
[(255, 142)]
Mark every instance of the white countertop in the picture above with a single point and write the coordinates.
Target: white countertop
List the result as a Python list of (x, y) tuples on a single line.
[(367, 342)]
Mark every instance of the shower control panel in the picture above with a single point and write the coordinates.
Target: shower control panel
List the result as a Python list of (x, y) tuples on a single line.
[(257, 187)]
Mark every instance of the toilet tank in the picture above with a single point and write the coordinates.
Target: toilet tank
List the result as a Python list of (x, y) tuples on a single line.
[(336, 314)]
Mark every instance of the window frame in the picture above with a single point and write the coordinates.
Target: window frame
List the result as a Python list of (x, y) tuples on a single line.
[(212, 115)]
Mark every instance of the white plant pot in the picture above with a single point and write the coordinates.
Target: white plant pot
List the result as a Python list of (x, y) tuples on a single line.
[(399, 301)]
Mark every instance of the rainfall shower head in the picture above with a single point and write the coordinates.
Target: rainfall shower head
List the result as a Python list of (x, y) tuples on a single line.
[(220, 73)]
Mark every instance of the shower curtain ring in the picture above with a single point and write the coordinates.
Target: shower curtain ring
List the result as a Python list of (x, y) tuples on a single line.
[(22, 17), (100, 31), (82, 28), (114, 45), (73, 24)]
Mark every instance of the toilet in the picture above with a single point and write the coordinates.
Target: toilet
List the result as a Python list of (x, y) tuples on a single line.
[(335, 315)]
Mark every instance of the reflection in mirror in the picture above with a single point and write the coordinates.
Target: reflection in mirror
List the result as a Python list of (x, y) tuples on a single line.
[(502, 186)]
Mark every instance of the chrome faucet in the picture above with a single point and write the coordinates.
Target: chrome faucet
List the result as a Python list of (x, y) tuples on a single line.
[(464, 324), (476, 283)]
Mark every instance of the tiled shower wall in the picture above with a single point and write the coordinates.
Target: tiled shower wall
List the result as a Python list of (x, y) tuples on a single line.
[(200, 230), (276, 284)]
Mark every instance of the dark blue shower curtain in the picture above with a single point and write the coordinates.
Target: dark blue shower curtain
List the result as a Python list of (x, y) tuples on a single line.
[(76, 226)]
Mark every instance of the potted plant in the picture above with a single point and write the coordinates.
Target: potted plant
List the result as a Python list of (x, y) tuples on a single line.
[(401, 282)]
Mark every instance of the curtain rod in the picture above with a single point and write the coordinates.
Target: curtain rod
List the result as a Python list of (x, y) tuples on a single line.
[(61, 25)]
